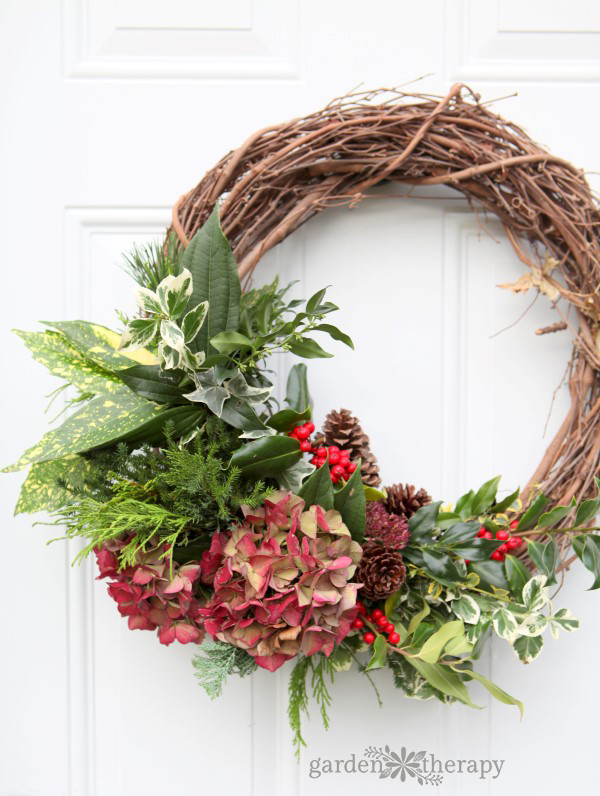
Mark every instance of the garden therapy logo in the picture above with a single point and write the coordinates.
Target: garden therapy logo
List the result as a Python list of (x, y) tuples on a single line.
[(425, 767)]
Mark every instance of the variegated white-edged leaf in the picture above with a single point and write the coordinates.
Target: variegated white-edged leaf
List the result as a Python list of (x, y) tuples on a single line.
[(172, 335), (563, 619), (174, 293), (193, 320), (192, 361), (528, 648), (208, 391), (466, 609), (536, 594), (533, 625), (239, 387), (147, 301), (505, 624), (138, 333), (293, 477), (170, 358)]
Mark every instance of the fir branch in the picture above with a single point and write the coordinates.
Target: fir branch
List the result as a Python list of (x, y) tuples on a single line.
[(216, 661), (298, 701)]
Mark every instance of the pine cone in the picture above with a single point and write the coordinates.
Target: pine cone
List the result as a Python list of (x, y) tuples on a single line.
[(389, 529), (405, 500), (343, 429), (381, 571)]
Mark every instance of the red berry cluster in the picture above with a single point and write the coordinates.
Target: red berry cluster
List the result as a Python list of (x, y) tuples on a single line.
[(378, 618), (341, 466), (509, 542)]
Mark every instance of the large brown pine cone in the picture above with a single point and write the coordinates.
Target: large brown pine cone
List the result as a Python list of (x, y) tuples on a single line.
[(381, 571), (405, 499), (343, 429)]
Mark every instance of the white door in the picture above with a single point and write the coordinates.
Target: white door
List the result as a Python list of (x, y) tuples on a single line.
[(112, 109)]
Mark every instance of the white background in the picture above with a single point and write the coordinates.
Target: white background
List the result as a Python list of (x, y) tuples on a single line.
[(111, 110)]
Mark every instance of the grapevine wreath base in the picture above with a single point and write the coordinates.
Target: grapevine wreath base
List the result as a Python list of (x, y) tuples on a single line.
[(213, 512)]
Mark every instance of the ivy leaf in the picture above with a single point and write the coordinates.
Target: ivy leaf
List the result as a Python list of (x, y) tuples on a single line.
[(318, 489), (210, 260), (587, 548), (193, 320), (239, 414), (528, 648), (208, 391), (485, 495), (297, 396), (293, 478), (266, 457), (308, 349), (239, 388), (351, 503)]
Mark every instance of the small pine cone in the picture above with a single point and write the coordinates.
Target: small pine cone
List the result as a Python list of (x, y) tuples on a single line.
[(389, 529), (343, 429), (405, 500), (381, 571)]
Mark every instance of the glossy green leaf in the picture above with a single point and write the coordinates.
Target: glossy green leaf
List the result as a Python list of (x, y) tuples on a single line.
[(351, 502), (494, 690), (433, 648), (287, 419), (587, 511), (458, 646), (506, 502), (490, 574), (545, 558), (210, 260), (317, 490), (476, 549), (315, 300), (293, 478), (266, 457), (239, 414), (555, 515), (587, 548), (517, 575), (308, 348), (423, 521), (228, 342), (533, 513), (334, 333), (459, 532), (153, 383), (441, 567), (378, 658), (297, 396), (485, 495), (444, 679), (463, 505), (418, 618)]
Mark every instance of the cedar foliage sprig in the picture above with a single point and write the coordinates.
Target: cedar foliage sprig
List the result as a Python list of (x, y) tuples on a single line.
[(216, 661), (321, 671)]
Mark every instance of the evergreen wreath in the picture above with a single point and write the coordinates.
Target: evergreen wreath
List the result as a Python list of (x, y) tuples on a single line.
[(214, 512)]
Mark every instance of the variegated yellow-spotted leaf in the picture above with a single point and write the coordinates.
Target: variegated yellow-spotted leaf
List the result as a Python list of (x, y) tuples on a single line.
[(55, 352), (43, 489), (100, 344)]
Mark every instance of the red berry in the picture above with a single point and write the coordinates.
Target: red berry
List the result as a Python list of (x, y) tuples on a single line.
[(382, 621), (322, 452), (334, 449), (293, 434), (481, 531), (318, 462), (345, 454), (305, 446), (358, 623), (335, 479), (337, 471), (334, 458), (514, 525), (369, 637), (394, 638), (310, 426), (302, 432), (315, 460), (377, 613), (467, 560), (351, 468), (503, 548), (488, 535), (515, 542), (497, 555), (502, 535), (361, 607), (389, 628)]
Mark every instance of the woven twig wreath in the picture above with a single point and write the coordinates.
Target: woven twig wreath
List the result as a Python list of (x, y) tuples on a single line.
[(284, 174)]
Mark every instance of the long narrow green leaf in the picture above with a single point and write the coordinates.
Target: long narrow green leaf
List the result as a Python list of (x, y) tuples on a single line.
[(494, 690)]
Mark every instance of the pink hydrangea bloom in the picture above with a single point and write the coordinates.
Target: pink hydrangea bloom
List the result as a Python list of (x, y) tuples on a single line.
[(152, 594), (281, 581)]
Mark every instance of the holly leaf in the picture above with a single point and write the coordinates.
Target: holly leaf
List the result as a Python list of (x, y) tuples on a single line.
[(351, 503), (266, 457)]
